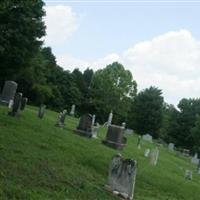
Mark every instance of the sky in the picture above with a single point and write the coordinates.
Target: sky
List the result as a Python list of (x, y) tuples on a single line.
[(158, 41)]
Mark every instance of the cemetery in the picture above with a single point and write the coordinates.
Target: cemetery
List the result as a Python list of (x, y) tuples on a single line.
[(97, 102), (58, 158)]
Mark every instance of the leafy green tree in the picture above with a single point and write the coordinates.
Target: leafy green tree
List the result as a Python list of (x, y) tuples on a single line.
[(195, 132), (21, 28), (112, 88), (146, 113)]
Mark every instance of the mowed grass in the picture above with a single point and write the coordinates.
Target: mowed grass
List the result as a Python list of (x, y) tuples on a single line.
[(39, 161)]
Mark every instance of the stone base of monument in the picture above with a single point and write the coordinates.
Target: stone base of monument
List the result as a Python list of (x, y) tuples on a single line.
[(84, 133), (118, 146)]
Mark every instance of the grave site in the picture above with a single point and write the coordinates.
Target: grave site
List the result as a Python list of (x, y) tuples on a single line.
[(42, 161)]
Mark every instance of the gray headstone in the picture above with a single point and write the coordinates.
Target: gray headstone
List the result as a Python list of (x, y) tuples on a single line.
[(188, 174), (147, 138), (139, 142), (122, 176), (85, 125), (93, 119), (95, 130), (16, 108), (171, 147), (154, 154), (195, 159), (61, 119), (129, 131), (72, 112), (115, 137), (24, 102), (9, 91), (41, 111)]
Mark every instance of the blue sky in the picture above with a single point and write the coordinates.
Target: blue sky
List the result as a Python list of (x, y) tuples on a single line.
[(94, 34)]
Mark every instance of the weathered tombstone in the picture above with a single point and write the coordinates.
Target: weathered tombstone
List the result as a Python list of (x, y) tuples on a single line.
[(124, 124), (72, 112), (171, 147), (198, 167), (129, 131), (8, 92), (147, 138), (61, 119), (154, 154), (93, 119), (147, 152), (188, 174), (15, 112), (24, 102), (85, 126), (115, 137), (195, 159), (10, 105), (95, 130), (41, 111), (122, 176), (186, 152), (110, 119), (139, 142)]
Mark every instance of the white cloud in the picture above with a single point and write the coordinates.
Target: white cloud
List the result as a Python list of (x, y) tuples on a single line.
[(170, 61), (61, 22)]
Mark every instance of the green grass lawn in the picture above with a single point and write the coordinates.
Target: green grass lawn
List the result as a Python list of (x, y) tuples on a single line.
[(40, 161)]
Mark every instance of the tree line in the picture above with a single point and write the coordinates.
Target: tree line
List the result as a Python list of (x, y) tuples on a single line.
[(26, 60)]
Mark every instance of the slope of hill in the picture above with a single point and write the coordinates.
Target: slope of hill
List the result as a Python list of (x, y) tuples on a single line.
[(41, 162)]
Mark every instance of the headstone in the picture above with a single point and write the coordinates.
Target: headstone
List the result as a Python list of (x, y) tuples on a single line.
[(95, 130), (41, 111), (171, 147), (72, 112), (115, 137), (198, 167), (8, 92), (186, 152), (86, 128), (10, 105), (124, 124), (139, 142), (24, 102), (188, 174), (122, 176), (61, 119), (147, 138), (110, 119), (15, 112), (147, 152), (154, 154), (195, 159), (93, 119), (129, 131)]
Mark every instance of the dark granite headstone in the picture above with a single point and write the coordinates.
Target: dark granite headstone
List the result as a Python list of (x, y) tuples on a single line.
[(61, 119), (16, 108), (24, 102), (85, 127), (8, 92), (115, 137), (41, 111), (122, 176)]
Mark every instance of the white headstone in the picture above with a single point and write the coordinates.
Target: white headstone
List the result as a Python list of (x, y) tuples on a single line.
[(110, 119), (72, 112), (93, 119), (147, 137), (154, 154), (147, 152), (188, 174), (195, 159)]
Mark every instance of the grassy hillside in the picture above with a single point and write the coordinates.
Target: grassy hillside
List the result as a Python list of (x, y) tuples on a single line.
[(41, 162)]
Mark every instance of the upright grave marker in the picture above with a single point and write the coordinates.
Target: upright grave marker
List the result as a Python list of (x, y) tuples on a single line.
[(171, 147), (41, 111), (195, 159), (188, 174), (154, 154), (115, 137), (122, 176), (110, 119), (72, 112), (16, 108), (24, 102), (8, 93), (61, 119), (147, 138)]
